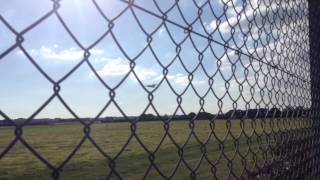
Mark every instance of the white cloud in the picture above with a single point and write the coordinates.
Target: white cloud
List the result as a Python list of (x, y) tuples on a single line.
[(231, 55), (227, 2), (114, 67), (246, 15), (179, 79), (212, 25), (144, 74), (97, 51), (224, 26), (66, 54), (118, 67), (231, 6), (55, 52), (161, 30), (101, 59)]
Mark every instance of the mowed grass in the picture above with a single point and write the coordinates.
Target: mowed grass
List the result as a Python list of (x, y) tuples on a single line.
[(56, 142)]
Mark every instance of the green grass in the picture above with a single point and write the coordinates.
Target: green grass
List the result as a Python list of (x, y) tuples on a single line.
[(56, 142)]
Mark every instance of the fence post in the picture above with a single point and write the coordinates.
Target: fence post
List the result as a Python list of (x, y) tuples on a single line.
[(314, 45)]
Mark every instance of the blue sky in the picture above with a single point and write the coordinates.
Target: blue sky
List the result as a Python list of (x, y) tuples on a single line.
[(24, 89)]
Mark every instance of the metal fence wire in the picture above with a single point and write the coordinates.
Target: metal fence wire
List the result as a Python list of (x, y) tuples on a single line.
[(265, 53)]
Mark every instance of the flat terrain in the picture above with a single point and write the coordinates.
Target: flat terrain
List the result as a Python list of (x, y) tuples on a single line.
[(56, 142)]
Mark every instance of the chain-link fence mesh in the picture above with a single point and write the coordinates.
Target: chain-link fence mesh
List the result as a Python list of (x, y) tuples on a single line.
[(251, 66)]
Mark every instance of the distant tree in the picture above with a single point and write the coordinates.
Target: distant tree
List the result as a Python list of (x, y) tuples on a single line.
[(252, 113), (6, 122), (147, 117), (288, 111), (205, 115), (274, 112), (229, 113), (191, 115)]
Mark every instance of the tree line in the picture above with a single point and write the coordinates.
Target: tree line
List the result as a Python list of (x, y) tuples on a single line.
[(231, 114)]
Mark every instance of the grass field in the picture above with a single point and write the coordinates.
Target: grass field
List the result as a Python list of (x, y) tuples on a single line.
[(55, 142)]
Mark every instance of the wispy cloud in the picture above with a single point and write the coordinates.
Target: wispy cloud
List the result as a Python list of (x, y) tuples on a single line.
[(227, 2), (55, 52), (144, 74), (113, 67), (66, 54), (118, 67), (179, 79), (239, 15), (229, 56), (224, 26), (161, 30)]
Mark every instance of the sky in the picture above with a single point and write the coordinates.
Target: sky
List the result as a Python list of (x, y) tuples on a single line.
[(24, 89)]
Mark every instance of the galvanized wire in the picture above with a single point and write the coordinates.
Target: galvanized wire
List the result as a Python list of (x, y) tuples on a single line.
[(279, 47)]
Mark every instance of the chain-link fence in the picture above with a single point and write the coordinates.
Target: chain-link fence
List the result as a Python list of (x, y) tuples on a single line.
[(242, 77)]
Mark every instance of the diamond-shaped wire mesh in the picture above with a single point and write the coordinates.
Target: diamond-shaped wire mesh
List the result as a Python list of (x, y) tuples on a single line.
[(249, 64)]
